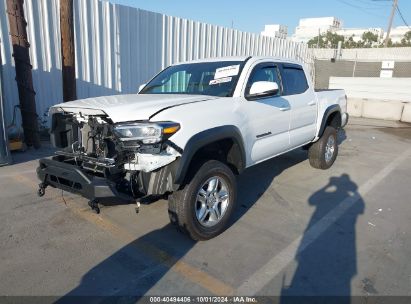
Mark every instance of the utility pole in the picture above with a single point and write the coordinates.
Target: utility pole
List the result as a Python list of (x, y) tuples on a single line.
[(24, 79), (67, 50), (394, 7), (318, 40)]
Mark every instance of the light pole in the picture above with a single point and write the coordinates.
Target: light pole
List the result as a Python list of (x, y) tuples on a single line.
[(394, 7)]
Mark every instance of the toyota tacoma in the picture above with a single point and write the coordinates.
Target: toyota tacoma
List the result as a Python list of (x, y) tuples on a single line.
[(188, 132)]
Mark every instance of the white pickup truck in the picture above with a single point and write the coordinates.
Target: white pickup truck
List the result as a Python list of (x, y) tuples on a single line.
[(188, 132)]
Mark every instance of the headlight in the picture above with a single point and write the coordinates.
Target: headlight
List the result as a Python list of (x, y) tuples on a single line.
[(147, 133)]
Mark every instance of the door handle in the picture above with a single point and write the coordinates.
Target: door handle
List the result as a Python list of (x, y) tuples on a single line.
[(312, 103), (284, 109)]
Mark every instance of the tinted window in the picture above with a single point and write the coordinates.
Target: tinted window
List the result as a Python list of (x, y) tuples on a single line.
[(208, 78), (294, 81), (265, 73), (177, 82)]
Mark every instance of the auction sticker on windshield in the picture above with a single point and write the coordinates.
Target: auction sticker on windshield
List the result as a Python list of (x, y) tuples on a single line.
[(220, 80), (227, 71)]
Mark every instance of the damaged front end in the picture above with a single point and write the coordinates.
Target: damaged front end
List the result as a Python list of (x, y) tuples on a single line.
[(104, 161)]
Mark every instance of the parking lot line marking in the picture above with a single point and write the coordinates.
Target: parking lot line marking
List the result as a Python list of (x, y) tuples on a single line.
[(193, 274), (276, 264)]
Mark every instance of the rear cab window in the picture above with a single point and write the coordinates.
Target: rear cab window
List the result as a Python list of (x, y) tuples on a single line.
[(294, 79)]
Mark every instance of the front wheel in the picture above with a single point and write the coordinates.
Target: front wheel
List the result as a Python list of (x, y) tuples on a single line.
[(204, 206), (322, 153)]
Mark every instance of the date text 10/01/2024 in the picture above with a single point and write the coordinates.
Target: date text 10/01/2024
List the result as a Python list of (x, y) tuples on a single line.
[(203, 299)]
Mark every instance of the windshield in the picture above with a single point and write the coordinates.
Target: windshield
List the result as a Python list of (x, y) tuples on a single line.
[(205, 78)]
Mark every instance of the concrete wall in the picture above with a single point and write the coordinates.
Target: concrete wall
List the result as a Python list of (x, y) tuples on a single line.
[(368, 54), (387, 110), (379, 98), (377, 109), (369, 95), (324, 69), (406, 113), (389, 89)]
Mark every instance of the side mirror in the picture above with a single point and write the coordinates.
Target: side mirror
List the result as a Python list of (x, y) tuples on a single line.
[(263, 89), (141, 87)]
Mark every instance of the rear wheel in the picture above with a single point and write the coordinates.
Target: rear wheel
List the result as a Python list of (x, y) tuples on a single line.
[(322, 153), (204, 206)]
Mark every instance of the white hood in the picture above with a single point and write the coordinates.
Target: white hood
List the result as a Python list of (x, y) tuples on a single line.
[(121, 108)]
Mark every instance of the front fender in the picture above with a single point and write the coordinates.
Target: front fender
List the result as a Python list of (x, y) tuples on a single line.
[(200, 140)]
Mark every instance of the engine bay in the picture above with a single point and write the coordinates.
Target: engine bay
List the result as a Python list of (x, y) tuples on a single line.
[(93, 144)]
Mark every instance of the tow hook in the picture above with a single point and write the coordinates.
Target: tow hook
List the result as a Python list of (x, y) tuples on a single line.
[(138, 207), (42, 189), (94, 206)]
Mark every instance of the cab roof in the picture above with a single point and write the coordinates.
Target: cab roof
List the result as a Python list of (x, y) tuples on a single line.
[(240, 58)]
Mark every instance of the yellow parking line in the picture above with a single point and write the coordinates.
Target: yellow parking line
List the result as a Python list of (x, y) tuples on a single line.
[(191, 273)]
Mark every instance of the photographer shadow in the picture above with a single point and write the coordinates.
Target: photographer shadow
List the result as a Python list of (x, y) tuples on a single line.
[(327, 263)]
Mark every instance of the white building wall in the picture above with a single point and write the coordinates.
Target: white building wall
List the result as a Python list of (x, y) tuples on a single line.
[(309, 28), (321, 21), (118, 48), (275, 31), (397, 33), (356, 33)]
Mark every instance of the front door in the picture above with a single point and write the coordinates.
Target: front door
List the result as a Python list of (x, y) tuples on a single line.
[(268, 117)]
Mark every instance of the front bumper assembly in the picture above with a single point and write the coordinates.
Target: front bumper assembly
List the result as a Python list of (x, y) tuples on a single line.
[(74, 179)]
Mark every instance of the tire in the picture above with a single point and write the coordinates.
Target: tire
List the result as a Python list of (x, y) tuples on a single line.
[(186, 206), (322, 153)]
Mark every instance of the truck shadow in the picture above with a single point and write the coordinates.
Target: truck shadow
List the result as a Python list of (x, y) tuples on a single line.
[(255, 181), (133, 270), (341, 136)]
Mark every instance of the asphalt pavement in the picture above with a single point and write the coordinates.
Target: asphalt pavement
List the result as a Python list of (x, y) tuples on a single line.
[(296, 231)]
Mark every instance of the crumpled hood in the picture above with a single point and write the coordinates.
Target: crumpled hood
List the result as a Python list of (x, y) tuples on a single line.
[(121, 108)]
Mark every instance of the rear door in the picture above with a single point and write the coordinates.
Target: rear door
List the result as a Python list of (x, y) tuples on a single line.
[(303, 104), (268, 118)]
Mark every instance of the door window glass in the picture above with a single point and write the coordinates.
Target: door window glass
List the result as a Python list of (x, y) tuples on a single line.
[(265, 73), (294, 81)]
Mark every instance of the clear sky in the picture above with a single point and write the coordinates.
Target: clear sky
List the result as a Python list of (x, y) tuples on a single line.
[(251, 15)]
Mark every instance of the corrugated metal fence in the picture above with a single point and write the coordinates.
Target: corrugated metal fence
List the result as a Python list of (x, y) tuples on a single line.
[(119, 47)]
